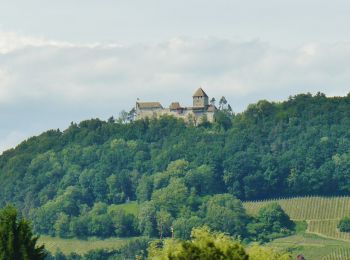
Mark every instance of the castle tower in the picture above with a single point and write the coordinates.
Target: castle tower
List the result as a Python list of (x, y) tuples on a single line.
[(200, 98)]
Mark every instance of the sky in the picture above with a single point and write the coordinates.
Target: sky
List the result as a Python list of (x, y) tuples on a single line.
[(67, 61)]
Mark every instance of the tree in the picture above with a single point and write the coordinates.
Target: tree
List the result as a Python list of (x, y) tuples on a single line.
[(223, 119), (123, 117), (62, 225), (222, 103), (344, 224), (225, 213), (116, 184), (79, 226), (202, 179), (147, 219), (271, 222), (172, 197), (204, 245), (183, 226), (16, 238), (144, 189), (274, 217), (124, 223), (132, 115), (164, 221), (133, 249), (212, 101)]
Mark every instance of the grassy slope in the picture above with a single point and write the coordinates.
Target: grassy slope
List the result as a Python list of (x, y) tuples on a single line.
[(130, 208)]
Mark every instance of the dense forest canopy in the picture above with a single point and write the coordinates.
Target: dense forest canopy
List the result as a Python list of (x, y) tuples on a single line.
[(297, 147)]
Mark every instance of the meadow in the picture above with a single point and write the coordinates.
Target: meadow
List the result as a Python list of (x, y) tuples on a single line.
[(79, 246)]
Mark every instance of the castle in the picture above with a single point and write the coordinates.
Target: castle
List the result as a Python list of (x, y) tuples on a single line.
[(200, 111)]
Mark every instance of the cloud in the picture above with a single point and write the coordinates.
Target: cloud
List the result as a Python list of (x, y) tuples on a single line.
[(47, 84), (11, 41)]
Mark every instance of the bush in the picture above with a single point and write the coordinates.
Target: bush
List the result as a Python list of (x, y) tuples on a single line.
[(272, 222), (344, 224)]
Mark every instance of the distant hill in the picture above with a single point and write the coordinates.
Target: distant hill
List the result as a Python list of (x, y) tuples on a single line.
[(293, 148)]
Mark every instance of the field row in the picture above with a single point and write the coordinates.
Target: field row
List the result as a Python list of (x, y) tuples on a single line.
[(327, 228), (307, 208), (339, 254)]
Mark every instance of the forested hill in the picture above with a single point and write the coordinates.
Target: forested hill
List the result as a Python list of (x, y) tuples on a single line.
[(297, 147)]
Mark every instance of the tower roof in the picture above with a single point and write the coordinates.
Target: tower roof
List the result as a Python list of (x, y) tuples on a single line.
[(175, 105), (200, 93)]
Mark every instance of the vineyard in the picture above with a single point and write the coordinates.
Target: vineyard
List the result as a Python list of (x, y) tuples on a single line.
[(339, 254), (307, 208), (322, 215)]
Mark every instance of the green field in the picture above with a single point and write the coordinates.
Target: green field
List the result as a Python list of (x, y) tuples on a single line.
[(68, 246), (130, 207)]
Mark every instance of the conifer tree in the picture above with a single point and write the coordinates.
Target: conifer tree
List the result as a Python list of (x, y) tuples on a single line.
[(16, 238)]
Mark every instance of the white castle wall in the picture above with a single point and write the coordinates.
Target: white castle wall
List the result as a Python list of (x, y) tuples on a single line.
[(187, 114)]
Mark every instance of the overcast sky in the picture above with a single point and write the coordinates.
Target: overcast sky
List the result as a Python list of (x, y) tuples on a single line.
[(64, 61)]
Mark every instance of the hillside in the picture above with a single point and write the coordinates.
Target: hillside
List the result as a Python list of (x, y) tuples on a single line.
[(70, 182)]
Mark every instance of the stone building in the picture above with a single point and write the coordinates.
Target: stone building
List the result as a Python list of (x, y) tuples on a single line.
[(199, 112)]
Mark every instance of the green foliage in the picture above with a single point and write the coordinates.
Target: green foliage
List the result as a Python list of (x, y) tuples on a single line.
[(300, 227), (203, 245), (164, 220), (344, 224), (125, 224), (274, 217), (226, 213), (271, 222), (16, 237), (183, 226), (147, 219), (259, 253), (62, 225), (172, 197)]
